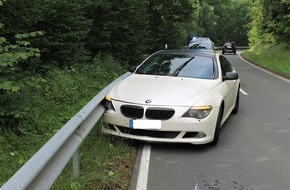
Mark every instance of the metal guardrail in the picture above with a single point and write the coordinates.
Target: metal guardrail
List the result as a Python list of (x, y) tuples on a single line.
[(243, 47), (43, 168)]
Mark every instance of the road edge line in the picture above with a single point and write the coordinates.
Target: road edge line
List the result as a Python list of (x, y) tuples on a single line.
[(142, 179)]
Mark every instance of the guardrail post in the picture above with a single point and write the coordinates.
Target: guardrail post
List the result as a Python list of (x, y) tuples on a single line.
[(76, 164)]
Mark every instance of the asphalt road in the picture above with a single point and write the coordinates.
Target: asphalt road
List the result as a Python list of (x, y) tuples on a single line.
[(253, 152)]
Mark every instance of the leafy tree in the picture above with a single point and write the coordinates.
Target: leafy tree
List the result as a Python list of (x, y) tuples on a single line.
[(62, 22), (129, 29), (20, 16), (286, 19), (276, 19), (65, 30), (232, 22), (221, 20), (270, 22), (206, 19), (169, 22), (119, 28), (15, 59)]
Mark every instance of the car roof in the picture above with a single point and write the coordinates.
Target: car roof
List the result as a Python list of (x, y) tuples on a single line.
[(201, 42), (189, 52), (195, 39)]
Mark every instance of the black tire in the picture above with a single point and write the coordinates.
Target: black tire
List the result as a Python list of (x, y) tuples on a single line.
[(237, 104), (217, 127)]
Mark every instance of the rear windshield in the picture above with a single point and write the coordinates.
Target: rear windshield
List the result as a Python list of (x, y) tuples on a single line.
[(179, 66), (201, 45)]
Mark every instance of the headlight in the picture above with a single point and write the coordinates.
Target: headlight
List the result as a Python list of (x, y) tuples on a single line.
[(198, 112), (107, 102)]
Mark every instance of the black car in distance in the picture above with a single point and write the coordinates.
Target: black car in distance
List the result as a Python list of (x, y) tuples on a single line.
[(229, 47)]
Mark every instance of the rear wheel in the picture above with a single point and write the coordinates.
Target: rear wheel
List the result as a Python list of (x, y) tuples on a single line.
[(217, 127)]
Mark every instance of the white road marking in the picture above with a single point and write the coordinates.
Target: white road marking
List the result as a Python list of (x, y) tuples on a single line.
[(144, 168), (242, 91)]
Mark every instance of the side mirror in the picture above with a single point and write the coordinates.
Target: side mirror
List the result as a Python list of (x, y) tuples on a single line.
[(231, 76), (131, 69)]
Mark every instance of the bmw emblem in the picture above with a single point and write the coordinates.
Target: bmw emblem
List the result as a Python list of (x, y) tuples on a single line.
[(148, 101)]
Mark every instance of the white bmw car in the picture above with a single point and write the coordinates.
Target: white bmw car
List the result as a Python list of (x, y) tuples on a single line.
[(174, 96)]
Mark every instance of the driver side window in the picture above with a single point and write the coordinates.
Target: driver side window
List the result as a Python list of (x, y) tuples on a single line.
[(225, 65)]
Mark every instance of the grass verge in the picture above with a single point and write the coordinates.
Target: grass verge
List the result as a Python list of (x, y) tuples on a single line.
[(272, 57), (106, 164)]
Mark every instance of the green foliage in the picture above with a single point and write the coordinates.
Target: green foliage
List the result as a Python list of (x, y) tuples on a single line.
[(62, 21), (205, 19), (15, 59), (274, 20), (128, 30), (168, 23), (270, 22), (66, 28), (119, 28), (44, 104), (13, 54), (232, 22), (220, 20)]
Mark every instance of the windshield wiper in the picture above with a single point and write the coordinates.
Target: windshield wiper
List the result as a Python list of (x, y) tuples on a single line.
[(176, 72)]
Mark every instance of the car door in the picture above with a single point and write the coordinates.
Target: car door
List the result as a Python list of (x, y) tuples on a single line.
[(228, 85)]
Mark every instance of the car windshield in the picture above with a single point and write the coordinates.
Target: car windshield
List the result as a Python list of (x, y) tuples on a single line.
[(179, 66), (229, 44)]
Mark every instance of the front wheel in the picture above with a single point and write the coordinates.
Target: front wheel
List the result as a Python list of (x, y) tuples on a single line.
[(217, 127), (237, 104)]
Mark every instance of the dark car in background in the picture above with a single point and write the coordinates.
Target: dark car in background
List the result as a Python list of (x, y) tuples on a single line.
[(229, 47)]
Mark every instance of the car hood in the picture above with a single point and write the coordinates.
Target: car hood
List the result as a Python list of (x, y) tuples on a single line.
[(161, 90)]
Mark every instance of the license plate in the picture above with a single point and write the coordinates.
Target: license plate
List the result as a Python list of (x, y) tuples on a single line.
[(145, 124)]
